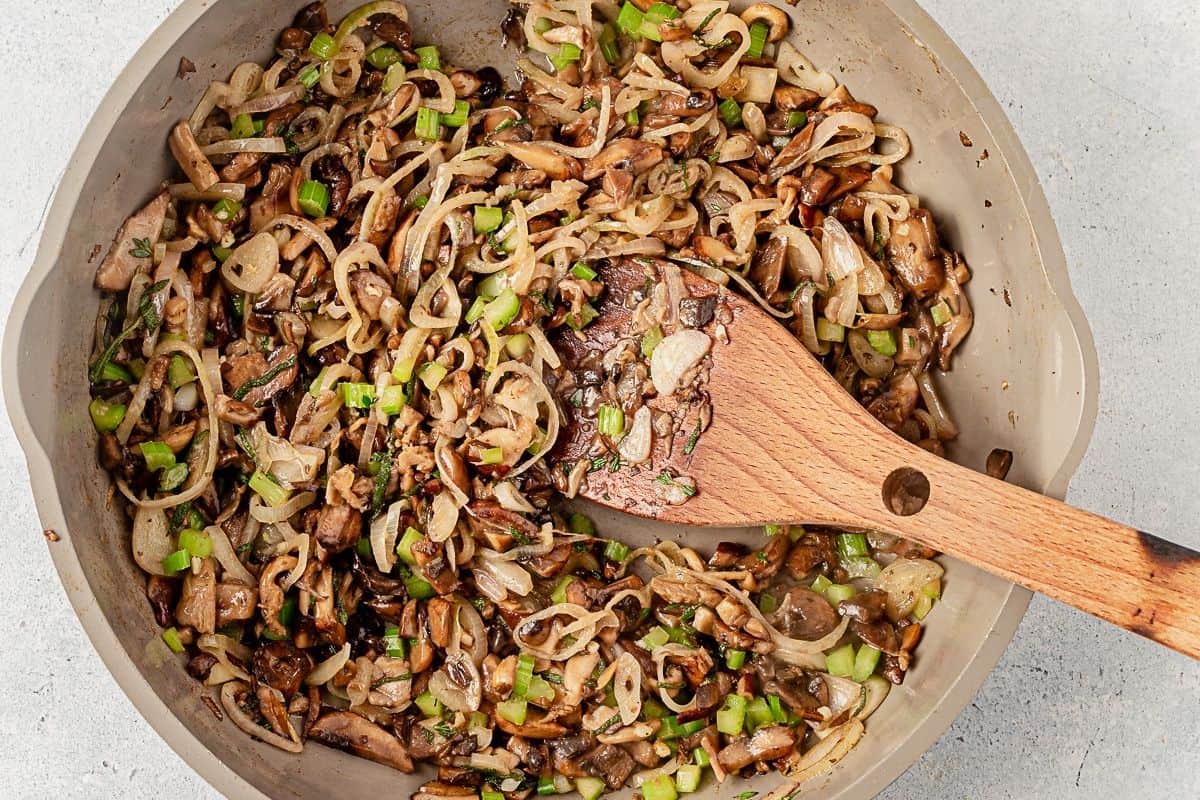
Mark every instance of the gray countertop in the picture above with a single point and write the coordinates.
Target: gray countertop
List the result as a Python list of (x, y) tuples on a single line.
[(1103, 96)]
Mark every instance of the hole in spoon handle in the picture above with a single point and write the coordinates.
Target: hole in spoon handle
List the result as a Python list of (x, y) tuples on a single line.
[(905, 491)]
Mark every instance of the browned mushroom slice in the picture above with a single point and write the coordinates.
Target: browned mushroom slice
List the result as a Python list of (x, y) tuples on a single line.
[(611, 763), (191, 159), (132, 247), (281, 371), (868, 606), (708, 698), (804, 614), (535, 156), (880, 634), (999, 462), (630, 155), (443, 790), (766, 270), (282, 666), (352, 733), (767, 744), (812, 551), (198, 598), (566, 753), (339, 528), (764, 563), (912, 252), (793, 98), (440, 612), (535, 727), (695, 103), (235, 602), (433, 567), (954, 330), (897, 402), (163, 594), (369, 290)]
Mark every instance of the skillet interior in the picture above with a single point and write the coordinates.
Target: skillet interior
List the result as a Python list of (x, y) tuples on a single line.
[(888, 53)]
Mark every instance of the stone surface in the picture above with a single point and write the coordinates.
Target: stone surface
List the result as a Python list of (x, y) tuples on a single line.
[(1103, 96)]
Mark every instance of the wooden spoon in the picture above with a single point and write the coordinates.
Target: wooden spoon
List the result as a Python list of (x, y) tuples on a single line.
[(788, 444)]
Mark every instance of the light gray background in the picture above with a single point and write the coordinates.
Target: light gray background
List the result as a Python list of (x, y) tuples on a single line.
[(1102, 93)]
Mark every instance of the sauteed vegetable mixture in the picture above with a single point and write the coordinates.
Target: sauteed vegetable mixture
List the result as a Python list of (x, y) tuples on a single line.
[(324, 385)]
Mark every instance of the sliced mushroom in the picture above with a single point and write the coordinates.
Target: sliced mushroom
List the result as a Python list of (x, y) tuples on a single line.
[(774, 16), (766, 269), (999, 462), (369, 290), (270, 595), (271, 706), (163, 594), (813, 551), (443, 790), (535, 727), (764, 563), (131, 249), (793, 98), (880, 634), (535, 156), (630, 155), (804, 614), (868, 606), (440, 611), (577, 671), (235, 602), (952, 333), (198, 598), (611, 763), (339, 528), (912, 252), (191, 159), (767, 744), (465, 83), (897, 402), (348, 731), (693, 104), (282, 666)]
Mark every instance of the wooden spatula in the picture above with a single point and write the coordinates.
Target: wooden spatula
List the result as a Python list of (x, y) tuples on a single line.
[(788, 445)]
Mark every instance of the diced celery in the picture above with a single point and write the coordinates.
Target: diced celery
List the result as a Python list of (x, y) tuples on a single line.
[(731, 716), (559, 595), (830, 331), (865, 662), (655, 637), (839, 592), (430, 706), (523, 675), (687, 778), (840, 662), (514, 711), (171, 637), (758, 713), (589, 788), (404, 546), (660, 787), (882, 342)]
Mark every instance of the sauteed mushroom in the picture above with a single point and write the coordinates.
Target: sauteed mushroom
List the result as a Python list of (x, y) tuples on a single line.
[(333, 360)]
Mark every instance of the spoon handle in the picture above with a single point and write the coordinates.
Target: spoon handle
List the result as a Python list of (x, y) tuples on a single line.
[(789, 458), (1121, 574)]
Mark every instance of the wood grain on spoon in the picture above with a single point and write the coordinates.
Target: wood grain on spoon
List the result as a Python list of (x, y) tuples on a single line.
[(788, 444)]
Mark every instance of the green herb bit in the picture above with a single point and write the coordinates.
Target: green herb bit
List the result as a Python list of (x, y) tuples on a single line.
[(141, 248), (265, 378)]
